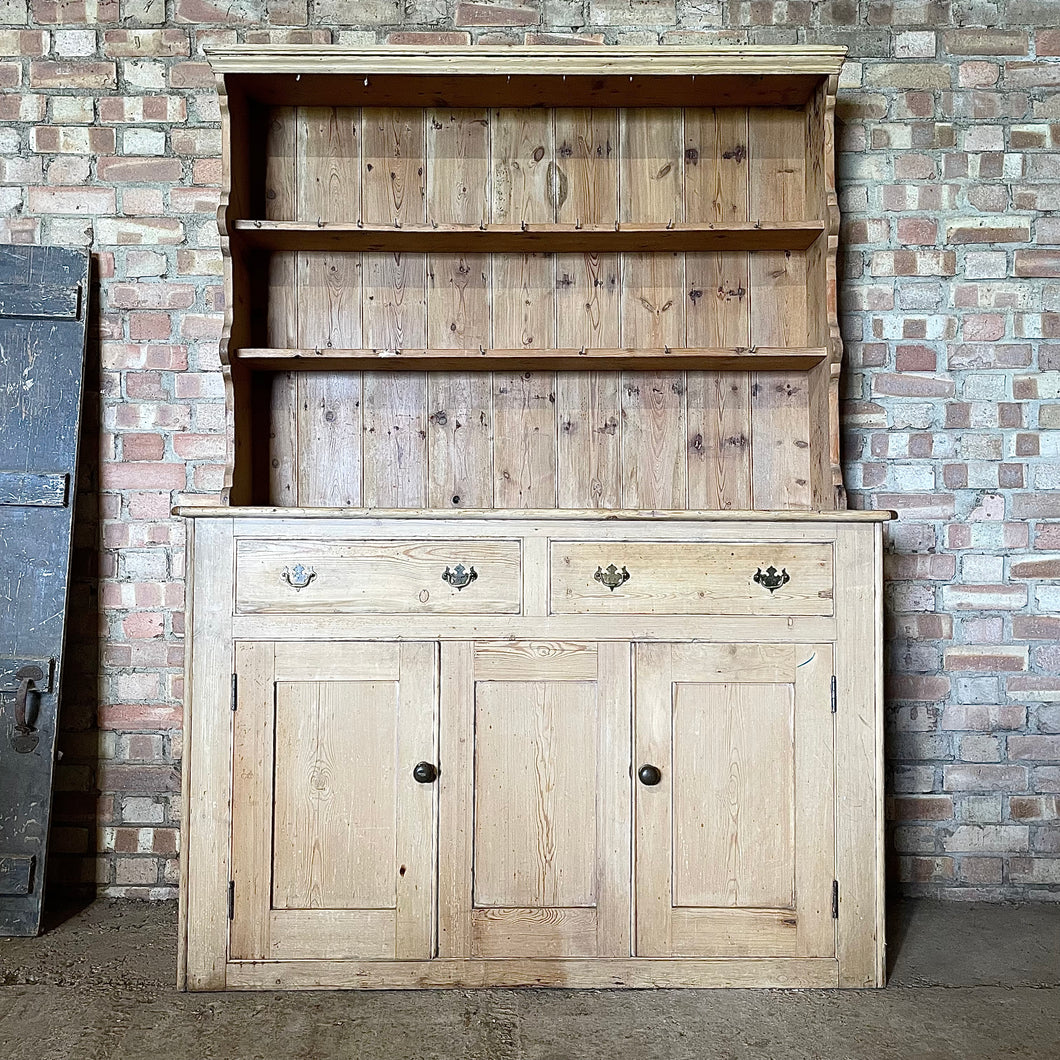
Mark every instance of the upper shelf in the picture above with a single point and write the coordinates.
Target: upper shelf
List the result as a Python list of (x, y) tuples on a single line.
[(526, 76), (529, 238)]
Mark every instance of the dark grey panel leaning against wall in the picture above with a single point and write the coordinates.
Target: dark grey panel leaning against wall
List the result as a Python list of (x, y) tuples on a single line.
[(43, 301)]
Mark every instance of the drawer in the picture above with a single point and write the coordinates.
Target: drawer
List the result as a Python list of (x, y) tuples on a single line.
[(689, 578), (378, 577)]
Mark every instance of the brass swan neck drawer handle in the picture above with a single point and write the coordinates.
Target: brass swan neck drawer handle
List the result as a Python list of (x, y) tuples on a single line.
[(611, 576), (298, 576), (771, 578), (460, 577)]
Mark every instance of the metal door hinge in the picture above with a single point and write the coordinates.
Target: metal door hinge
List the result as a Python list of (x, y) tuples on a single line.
[(835, 899), (231, 899), (835, 694), (235, 690)]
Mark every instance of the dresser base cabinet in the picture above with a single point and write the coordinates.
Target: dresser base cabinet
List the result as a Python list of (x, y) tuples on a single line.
[(626, 778)]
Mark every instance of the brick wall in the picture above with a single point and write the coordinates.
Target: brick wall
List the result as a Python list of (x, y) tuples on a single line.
[(949, 139)]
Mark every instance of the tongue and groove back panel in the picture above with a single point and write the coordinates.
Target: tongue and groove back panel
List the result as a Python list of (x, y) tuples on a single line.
[(532, 438)]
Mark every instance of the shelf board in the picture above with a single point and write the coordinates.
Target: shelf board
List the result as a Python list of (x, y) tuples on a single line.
[(738, 358), (540, 238)]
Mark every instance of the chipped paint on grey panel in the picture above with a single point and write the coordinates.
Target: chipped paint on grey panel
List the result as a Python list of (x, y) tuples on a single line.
[(44, 491), (47, 301), (41, 369)]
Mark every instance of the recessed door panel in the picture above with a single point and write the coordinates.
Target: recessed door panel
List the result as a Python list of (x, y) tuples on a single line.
[(333, 838), (735, 815), (536, 862)]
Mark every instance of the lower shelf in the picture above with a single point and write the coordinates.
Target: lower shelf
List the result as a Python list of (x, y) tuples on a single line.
[(665, 358)]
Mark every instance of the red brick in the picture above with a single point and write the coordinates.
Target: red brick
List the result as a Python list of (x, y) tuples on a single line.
[(1043, 568), (1034, 748), (150, 42), (984, 659), (907, 385), (72, 74), (984, 777), (138, 779), (140, 170), (143, 624), (1034, 807), (437, 37), (23, 42), (200, 446), (73, 12), (1035, 627), (72, 200), (921, 808), (1044, 263), (479, 14), (142, 446), (151, 295), (114, 476), (224, 11)]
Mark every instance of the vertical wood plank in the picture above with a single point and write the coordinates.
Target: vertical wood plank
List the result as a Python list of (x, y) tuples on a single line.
[(588, 301), (780, 440), (589, 443), (733, 835), (459, 440), (394, 300), (283, 439), (651, 185), (654, 461), (417, 803), (524, 440), (458, 310), (523, 301), (536, 773), (281, 204), (210, 753), (653, 308), (328, 163), (328, 293), (394, 190), (329, 439), (614, 800), (521, 162), (719, 440), (859, 756), (456, 825), (777, 158), (252, 797), (394, 177), (395, 440), (815, 801), (652, 821), (281, 314), (281, 167), (458, 177), (329, 299), (336, 795), (585, 184)]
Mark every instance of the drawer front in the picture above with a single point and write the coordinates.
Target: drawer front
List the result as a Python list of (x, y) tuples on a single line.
[(378, 577), (686, 578)]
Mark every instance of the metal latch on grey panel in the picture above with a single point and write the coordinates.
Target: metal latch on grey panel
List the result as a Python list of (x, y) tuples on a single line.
[(25, 680)]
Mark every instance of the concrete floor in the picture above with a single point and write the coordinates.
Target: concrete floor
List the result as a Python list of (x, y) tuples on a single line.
[(972, 982)]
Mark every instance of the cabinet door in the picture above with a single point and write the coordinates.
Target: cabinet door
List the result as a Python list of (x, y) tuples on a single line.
[(535, 800), (333, 851), (735, 841)]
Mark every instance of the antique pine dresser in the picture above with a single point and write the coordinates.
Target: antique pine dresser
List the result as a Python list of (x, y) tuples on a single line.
[(533, 643)]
